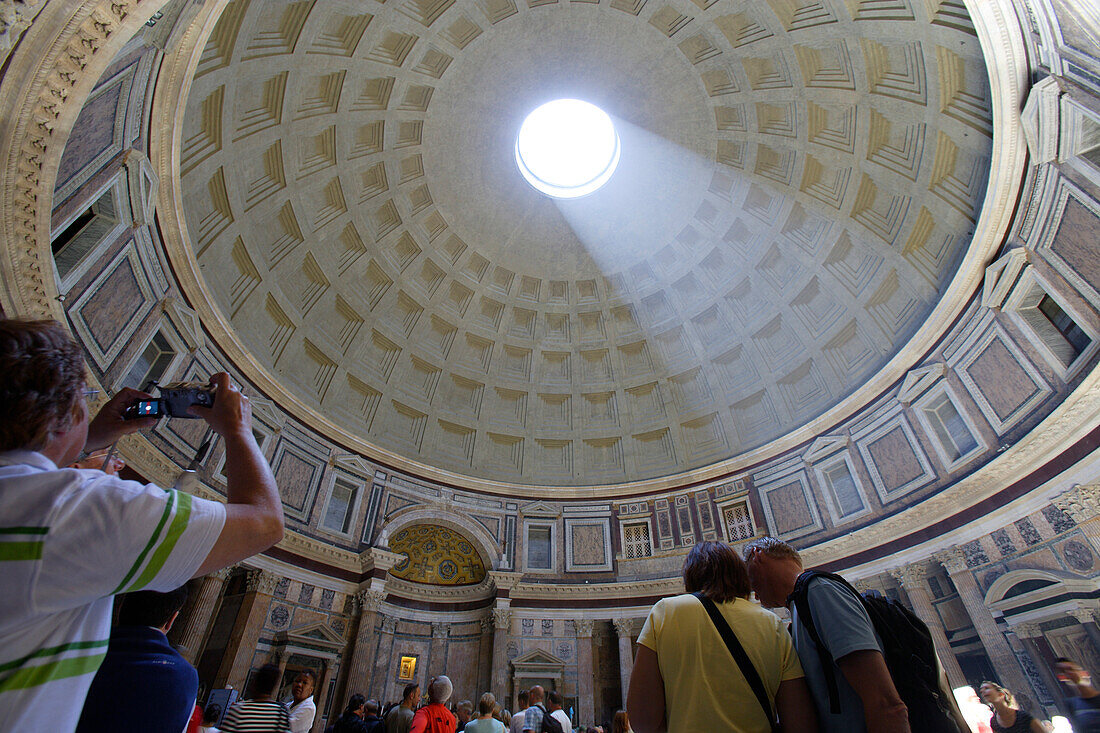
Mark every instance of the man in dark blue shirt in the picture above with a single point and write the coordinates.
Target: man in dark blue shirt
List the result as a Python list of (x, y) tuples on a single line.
[(1084, 702), (143, 684)]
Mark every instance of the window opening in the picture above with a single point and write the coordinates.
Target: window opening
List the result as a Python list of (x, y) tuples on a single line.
[(738, 522), (950, 428), (340, 502), (636, 540), (152, 364)]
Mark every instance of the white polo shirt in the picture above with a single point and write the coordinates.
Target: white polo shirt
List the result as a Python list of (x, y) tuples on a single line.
[(70, 539)]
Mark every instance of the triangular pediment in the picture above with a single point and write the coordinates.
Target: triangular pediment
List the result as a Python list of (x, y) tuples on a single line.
[(315, 632), (187, 321), (1001, 276), (356, 465), (537, 657), (825, 446), (918, 380), (540, 509)]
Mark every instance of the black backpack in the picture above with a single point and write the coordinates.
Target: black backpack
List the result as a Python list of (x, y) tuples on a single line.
[(906, 645), (550, 724)]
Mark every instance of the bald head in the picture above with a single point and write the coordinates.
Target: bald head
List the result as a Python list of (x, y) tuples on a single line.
[(440, 689), (536, 694)]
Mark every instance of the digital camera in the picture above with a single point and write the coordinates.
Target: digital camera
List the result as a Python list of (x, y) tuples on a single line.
[(174, 400)]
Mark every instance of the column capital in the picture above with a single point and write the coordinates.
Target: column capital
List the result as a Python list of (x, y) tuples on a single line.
[(582, 627), (486, 624), (502, 618), (1080, 502), (1084, 615), (261, 581), (440, 629), (368, 601), (953, 559), (862, 585), (223, 574), (624, 627), (389, 624), (911, 576), (1027, 630)]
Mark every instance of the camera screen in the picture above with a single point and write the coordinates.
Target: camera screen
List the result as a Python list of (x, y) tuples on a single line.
[(147, 408)]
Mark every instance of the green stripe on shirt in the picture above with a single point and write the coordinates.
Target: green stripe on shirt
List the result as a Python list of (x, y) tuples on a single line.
[(160, 556), (168, 506), (51, 651), (16, 551), (24, 530), (43, 673)]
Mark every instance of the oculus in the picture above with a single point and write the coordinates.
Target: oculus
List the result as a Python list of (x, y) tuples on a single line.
[(567, 148)]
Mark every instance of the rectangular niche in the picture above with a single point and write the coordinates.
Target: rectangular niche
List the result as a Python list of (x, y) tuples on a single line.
[(893, 456), (587, 544), (954, 435), (842, 488)]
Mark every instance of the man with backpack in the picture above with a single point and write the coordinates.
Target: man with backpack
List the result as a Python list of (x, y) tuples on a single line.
[(535, 718), (869, 662)]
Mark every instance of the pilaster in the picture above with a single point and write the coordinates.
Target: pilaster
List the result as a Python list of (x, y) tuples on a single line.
[(914, 579), (259, 589), (586, 703), (624, 627), (996, 645), (193, 631)]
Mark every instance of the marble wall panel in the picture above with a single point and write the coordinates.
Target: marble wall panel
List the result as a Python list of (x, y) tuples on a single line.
[(1075, 241)]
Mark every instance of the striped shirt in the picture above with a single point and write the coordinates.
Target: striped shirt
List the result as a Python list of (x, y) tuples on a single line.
[(70, 539), (256, 716)]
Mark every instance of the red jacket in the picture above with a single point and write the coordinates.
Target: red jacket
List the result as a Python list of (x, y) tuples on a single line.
[(434, 718)]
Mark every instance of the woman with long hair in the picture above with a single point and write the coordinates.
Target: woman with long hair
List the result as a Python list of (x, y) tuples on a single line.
[(1007, 718), (685, 677), (621, 723)]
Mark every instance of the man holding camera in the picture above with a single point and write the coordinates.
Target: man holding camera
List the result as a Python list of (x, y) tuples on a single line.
[(70, 539)]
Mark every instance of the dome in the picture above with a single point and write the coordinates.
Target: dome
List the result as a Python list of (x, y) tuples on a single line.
[(796, 194)]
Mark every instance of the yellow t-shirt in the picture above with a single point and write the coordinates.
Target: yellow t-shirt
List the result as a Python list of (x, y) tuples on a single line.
[(704, 689)]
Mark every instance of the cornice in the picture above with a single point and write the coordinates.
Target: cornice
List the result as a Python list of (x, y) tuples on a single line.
[(625, 589), (439, 593)]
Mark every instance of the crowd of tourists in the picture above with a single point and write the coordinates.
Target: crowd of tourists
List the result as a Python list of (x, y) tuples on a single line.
[(74, 536)]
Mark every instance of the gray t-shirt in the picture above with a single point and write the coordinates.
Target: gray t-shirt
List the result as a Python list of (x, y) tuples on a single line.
[(399, 720), (844, 627)]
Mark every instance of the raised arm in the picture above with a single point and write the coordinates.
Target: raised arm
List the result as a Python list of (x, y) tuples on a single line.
[(883, 709), (254, 511), (645, 701)]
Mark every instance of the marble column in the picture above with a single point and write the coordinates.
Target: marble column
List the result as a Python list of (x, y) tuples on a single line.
[(437, 652), (192, 632), (485, 657), (1035, 646), (367, 602), (624, 627), (1087, 618), (237, 661), (1000, 654), (586, 701), (913, 579), (502, 625), (384, 663)]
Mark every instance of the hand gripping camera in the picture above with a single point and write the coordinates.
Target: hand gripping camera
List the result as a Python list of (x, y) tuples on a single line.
[(174, 400)]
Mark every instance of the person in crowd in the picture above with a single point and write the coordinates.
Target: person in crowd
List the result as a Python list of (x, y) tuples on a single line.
[(485, 722), (259, 712), (1083, 700), (141, 673), (372, 720), (621, 723), (868, 699), (435, 717), (73, 538), (301, 707), (210, 715), (679, 645), (463, 711), (1007, 717), (533, 715), (515, 725), (352, 719), (399, 719), (554, 707)]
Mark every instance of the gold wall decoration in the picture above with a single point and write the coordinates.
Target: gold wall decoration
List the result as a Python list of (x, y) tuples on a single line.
[(406, 671), (436, 555)]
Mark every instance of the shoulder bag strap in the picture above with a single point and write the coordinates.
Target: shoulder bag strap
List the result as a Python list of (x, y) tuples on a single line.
[(739, 656)]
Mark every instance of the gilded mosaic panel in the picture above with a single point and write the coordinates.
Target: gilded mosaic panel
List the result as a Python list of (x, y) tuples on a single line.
[(436, 555)]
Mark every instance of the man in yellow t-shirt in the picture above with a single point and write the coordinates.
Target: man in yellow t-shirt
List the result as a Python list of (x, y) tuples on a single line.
[(684, 673)]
